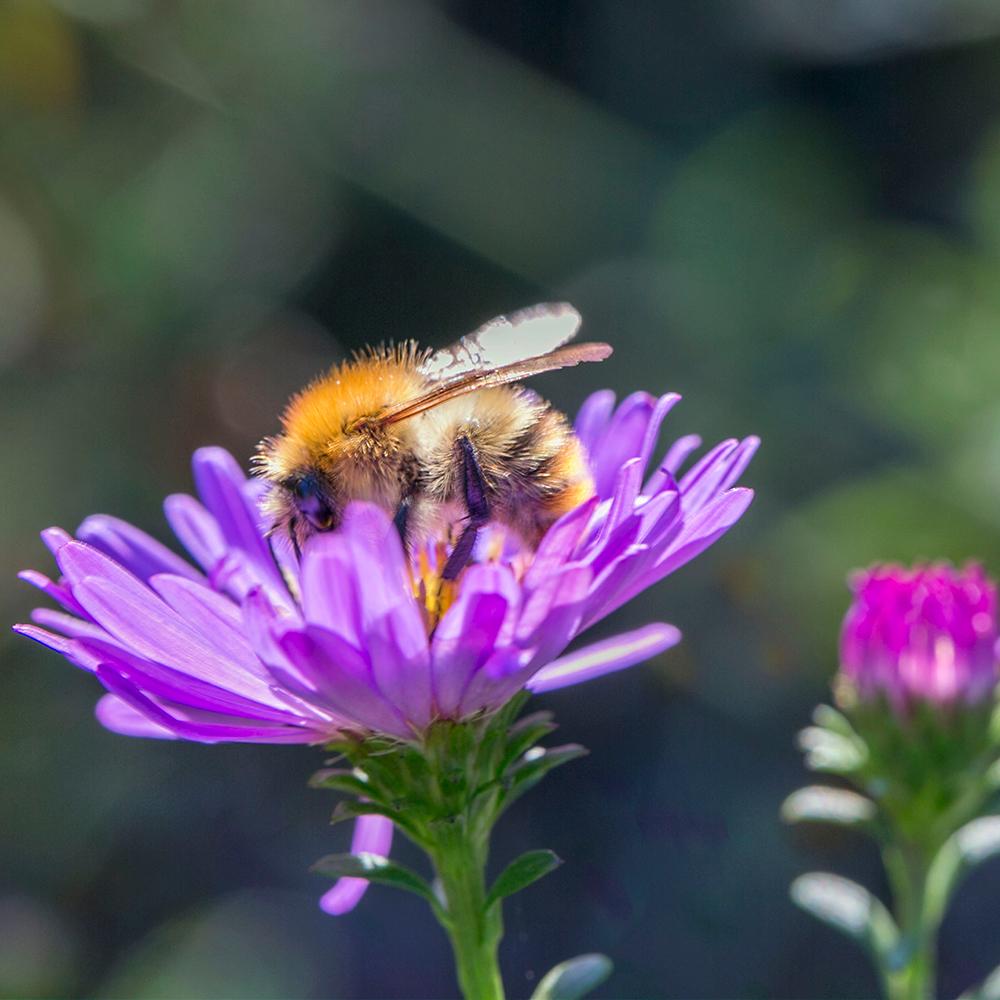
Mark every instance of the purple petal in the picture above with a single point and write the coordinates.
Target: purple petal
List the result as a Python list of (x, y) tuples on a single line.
[(715, 472), (372, 835), (57, 591), (163, 682), (68, 625), (662, 407), (196, 528), (203, 727), (627, 483), (221, 486), (401, 664), (708, 525), (672, 461), (55, 539), (605, 657), (138, 552), (120, 717), (140, 621), (58, 643), (329, 586), (468, 633), (559, 542), (592, 418), (622, 440), (498, 680), (215, 618), (342, 675), (566, 587)]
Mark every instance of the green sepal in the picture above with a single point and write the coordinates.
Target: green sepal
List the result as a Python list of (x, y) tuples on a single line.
[(521, 872), (989, 989), (969, 846), (524, 734), (339, 779), (851, 909), (347, 809), (537, 763), (827, 717), (821, 804), (573, 978), (829, 751), (375, 868)]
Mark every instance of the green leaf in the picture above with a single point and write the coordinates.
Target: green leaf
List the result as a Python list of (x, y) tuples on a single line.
[(376, 869), (573, 978), (339, 779), (353, 809), (819, 804), (851, 909), (988, 990), (827, 750), (969, 846), (827, 717), (525, 734), (537, 762), (521, 872)]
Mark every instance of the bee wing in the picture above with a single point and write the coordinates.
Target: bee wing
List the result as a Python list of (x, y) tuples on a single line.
[(473, 381), (506, 340)]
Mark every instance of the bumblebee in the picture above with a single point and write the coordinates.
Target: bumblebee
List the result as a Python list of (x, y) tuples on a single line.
[(444, 441)]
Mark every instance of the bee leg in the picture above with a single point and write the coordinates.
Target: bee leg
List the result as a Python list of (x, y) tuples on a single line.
[(294, 540), (478, 511), (402, 518)]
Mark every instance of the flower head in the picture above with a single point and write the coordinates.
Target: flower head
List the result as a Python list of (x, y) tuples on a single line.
[(253, 646), (923, 635)]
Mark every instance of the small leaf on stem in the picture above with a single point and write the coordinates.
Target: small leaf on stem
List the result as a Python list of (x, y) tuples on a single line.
[(374, 868), (819, 804), (521, 872), (573, 978), (850, 908), (988, 990), (827, 750), (972, 844)]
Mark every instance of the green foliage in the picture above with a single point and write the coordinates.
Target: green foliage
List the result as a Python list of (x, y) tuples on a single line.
[(451, 787), (522, 872), (851, 909), (923, 784), (375, 869), (820, 804), (574, 978)]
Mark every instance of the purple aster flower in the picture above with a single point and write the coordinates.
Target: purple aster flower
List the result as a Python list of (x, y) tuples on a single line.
[(251, 646), (922, 635)]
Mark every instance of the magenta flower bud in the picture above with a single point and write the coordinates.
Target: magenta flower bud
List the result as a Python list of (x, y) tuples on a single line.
[(925, 635)]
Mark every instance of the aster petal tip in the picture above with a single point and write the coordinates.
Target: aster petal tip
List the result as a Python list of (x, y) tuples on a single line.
[(55, 538), (605, 657)]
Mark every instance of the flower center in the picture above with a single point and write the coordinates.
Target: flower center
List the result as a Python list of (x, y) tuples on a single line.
[(434, 595)]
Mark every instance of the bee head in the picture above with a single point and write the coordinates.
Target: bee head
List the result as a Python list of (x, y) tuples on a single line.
[(313, 503), (302, 504)]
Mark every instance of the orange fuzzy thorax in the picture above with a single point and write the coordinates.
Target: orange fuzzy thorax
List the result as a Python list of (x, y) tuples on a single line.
[(318, 419)]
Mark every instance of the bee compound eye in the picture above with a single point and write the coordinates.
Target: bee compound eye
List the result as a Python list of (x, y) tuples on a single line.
[(305, 488), (312, 504)]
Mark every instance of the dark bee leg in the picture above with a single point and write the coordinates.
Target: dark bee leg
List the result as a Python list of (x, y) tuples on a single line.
[(478, 511), (402, 518), (295, 541)]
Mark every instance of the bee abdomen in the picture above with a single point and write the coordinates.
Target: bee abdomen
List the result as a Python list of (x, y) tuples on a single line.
[(535, 475)]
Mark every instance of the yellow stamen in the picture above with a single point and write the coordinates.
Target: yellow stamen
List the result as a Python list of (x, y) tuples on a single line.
[(434, 595)]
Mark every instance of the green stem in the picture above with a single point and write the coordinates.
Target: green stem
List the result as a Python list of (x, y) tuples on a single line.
[(907, 867), (475, 930)]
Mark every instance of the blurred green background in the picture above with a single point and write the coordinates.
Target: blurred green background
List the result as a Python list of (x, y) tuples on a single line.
[(787, 210)]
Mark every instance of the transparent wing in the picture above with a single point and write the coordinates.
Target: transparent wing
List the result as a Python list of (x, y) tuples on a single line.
[(461, 385), (506, 340)]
